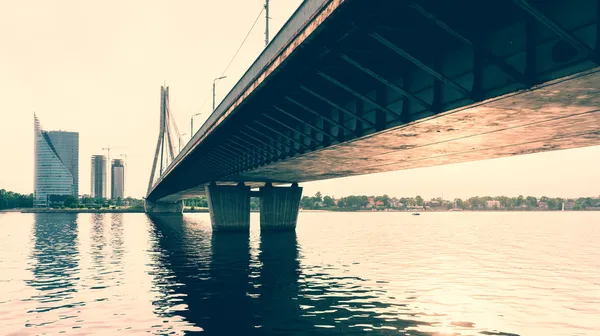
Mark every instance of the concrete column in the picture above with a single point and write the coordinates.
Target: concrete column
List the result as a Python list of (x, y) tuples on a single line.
[(159, 207), (229, 207), (279, 207)]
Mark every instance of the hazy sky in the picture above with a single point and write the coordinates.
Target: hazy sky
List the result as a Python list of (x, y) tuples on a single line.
[(97, 67)]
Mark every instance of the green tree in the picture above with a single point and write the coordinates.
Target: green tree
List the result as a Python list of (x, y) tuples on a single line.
[(385, 199), (328, 201), (70, 201), (307, 202), (531, 202), (520, 201), (419, 200), (459, 203), (11, 200)]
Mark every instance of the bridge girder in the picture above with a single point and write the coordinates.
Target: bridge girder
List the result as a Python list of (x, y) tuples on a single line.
[(376, 66)]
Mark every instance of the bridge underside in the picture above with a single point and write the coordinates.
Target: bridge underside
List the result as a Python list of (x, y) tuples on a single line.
[(391, 85)]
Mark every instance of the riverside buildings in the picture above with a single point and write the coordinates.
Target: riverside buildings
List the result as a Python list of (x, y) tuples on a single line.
[(56, 172), (117, 174), (98, 178)]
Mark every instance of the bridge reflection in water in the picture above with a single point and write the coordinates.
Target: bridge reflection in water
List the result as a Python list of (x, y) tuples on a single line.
[(231, 283)]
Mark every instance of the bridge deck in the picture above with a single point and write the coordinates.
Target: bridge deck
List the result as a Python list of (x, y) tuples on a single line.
[(367, 87)]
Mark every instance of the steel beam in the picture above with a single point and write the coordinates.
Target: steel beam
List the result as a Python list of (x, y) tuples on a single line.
[(530, 50), (234, 153), (359, 129), (382, 99), (420, 64), (229, 159), (385, 82), (308, 109), (357, 95), (266, 153), (245, 156), (289, 147), (498, 61), (477, 74), (293, 130), (557, 29), (303, 122), (336, 106), (281, 134), (281, 152)]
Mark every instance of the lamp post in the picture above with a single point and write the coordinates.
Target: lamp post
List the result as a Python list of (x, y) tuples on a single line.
[(181, 136), (192, 124), (214, 86)]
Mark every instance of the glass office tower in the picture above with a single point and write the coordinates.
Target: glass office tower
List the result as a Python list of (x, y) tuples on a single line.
[(117, 176), (56, 170), (98, 189)]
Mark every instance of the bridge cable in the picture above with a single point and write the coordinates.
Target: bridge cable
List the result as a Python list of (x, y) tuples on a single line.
[(236, 53)]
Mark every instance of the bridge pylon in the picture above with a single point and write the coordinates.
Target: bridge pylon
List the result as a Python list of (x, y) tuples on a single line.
[(168, 136)]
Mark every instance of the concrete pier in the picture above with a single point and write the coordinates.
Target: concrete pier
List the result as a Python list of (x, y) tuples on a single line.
[(229, 207), (159, 207), (279, 207)]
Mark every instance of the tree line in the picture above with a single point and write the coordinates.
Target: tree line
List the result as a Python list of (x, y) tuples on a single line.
[(13, 200), (357, 202)]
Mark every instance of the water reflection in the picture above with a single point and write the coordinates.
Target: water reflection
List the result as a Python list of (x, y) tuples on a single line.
[(181, 272), (118, 249), (279, 282), (213, 283), (97, 252), (54, 264), (124, 274)]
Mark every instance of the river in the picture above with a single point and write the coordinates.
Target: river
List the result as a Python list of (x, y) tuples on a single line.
[(339, 274)]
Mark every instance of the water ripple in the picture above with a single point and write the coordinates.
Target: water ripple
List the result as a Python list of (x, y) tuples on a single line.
[(341, 274)]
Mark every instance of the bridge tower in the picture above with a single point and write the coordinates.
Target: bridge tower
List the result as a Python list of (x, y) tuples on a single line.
[(168, 136), (229, 205)]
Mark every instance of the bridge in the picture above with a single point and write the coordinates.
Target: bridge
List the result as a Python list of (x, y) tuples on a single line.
[(351, 87)]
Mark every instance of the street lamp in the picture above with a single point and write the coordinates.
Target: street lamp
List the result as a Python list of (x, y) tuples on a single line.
[(192, 124), (181, 136), (214, 85)]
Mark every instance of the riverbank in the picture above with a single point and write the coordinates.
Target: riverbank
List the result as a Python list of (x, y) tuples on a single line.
[(441, 210), (205, 210), (136, 210), (81, 210)]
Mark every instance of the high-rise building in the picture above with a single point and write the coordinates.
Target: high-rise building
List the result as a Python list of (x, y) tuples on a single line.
[(98, 188), (117, 177), (56, 170)]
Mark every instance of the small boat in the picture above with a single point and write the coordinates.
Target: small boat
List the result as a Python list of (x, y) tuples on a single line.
[(416, 214)]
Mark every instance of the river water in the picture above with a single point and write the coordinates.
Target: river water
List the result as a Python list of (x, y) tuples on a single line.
[(339, 274)]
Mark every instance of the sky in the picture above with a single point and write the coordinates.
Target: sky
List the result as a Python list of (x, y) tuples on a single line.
[(96, 68)]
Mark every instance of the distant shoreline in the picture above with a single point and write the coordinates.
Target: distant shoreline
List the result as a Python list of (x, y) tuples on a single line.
[(432, 211), (33, 210), (205, 210)]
